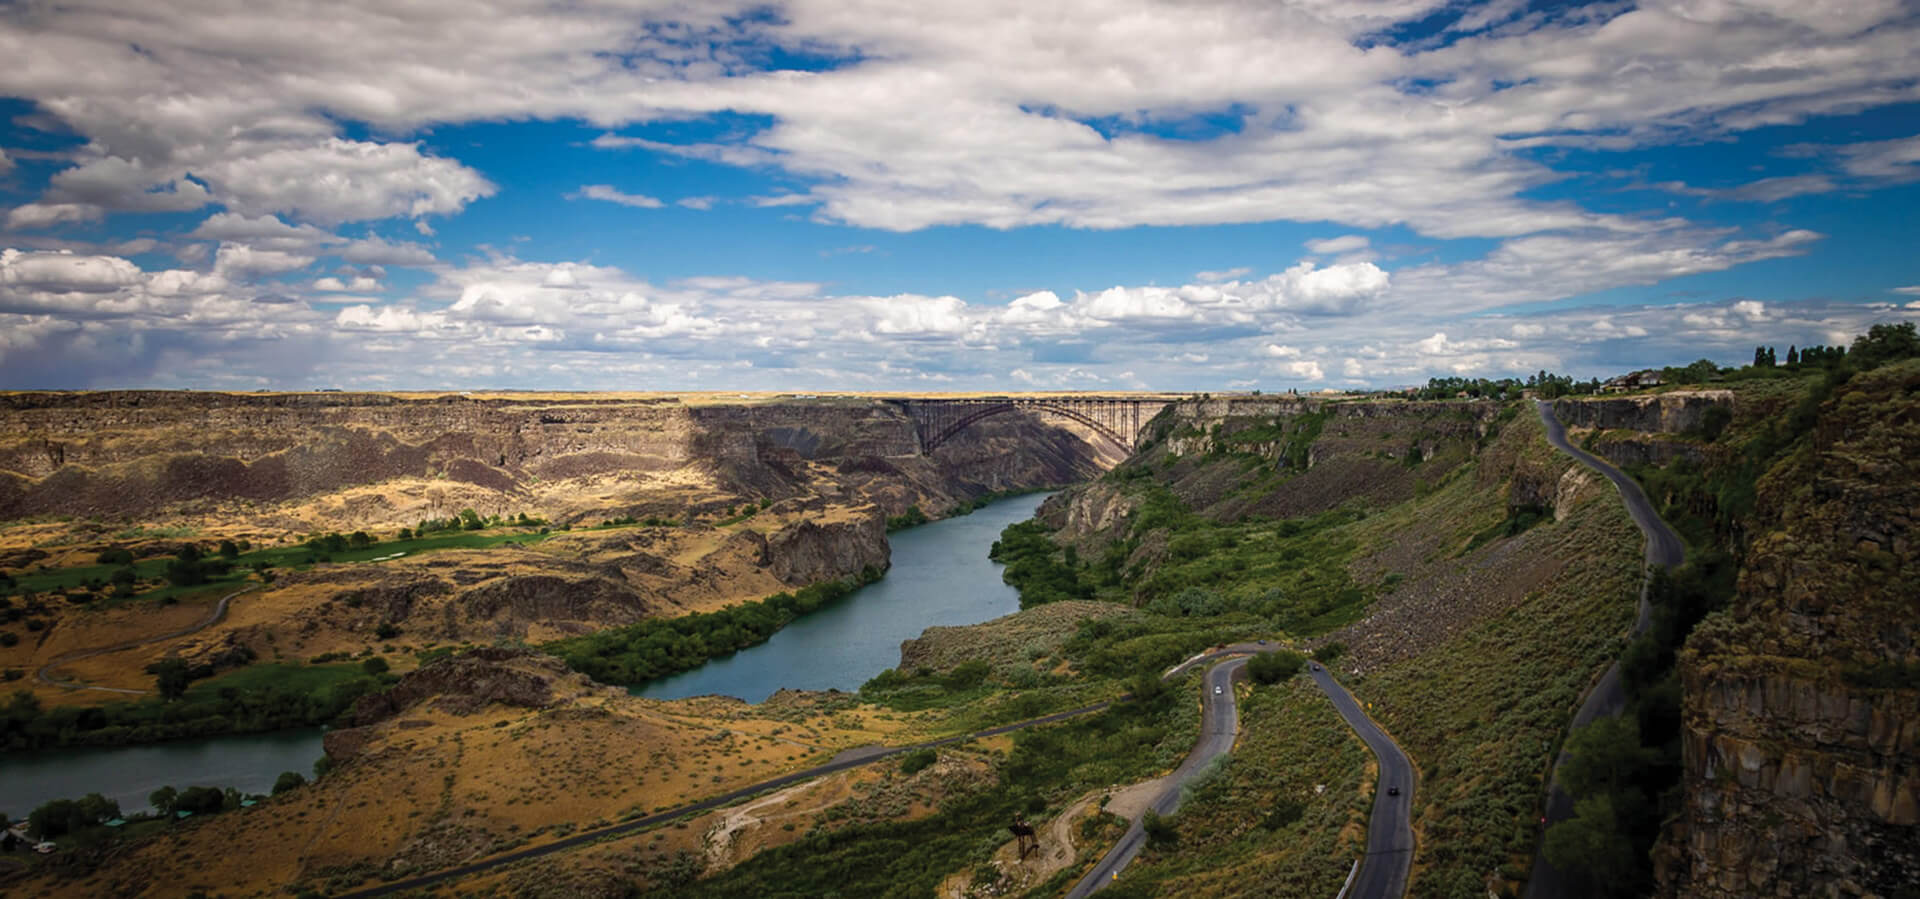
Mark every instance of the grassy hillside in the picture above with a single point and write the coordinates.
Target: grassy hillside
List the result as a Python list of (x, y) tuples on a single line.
[(1472, 612)]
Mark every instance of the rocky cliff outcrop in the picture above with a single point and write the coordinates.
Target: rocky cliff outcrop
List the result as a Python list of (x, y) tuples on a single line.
[(1326, 454), (133, 454), (1668, 413), (552, 598), (459, 685), (1637, 431), (1801, 718), (815, 479), (1090, 516), (807, 553)]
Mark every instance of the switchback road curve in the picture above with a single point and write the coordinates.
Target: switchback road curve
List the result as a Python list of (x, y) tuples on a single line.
[(842, 762), (1607, 698), (1389, 854), (1383, 874), (1219, 725)]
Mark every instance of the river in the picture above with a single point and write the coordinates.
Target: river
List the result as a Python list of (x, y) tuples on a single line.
[(127, 774), (941, 576)]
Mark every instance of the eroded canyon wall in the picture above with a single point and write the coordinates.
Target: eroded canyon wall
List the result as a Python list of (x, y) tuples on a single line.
[(1801, 702), (130, 454)]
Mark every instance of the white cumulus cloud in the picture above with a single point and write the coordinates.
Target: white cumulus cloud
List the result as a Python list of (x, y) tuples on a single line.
[(66, 272), (608, 193)]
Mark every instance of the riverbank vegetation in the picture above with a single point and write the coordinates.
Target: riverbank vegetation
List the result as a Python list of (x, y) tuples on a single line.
[(914, 516), (249, 700), (657, 647)]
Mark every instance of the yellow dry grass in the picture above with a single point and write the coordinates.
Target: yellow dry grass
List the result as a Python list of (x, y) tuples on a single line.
[(433, 789)]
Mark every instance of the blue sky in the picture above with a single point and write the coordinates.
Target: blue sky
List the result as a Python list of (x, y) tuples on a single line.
[(879, 195)]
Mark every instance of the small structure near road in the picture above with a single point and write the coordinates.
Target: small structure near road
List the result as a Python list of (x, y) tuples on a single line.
[(1024, 833), (1636, 380)]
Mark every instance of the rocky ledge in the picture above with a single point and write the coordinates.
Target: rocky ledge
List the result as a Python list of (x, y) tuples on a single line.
[(461, 685)]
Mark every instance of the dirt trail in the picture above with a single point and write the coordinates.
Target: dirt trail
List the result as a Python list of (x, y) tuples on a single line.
[(735, 821), (1055, 851), (214, 617)]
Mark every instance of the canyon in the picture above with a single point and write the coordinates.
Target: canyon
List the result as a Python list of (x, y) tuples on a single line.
[(747, 497), (1470, 581)]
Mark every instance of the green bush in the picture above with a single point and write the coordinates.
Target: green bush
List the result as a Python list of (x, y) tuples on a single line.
[(918, 760), (1160, 829), (911, 518), (1041, 571), (64, 816), (1274, 667), (658, 647)]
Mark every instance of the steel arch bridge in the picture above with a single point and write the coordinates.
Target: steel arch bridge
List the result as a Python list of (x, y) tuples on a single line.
[(1119, 419)]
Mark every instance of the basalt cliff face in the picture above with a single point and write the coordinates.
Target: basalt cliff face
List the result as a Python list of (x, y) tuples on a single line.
[(813, 479), (1801, 707), (1376, 453), (1648, 430), (132, 454)]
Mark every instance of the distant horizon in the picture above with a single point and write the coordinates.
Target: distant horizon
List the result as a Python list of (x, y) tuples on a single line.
[(829, 392)]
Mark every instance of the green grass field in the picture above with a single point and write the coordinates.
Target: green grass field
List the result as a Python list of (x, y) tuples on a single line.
[(296, 557), (306, 679)]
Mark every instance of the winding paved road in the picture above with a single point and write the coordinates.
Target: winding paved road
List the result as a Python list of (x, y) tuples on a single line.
[(1607, 698), (852, 758), (43, 673), (1219, 725), (1383, 875)]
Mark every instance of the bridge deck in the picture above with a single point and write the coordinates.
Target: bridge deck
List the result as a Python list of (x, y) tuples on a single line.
[(1118, 419)]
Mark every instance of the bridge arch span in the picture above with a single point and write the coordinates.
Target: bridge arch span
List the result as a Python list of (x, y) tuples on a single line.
[(1118, 419)]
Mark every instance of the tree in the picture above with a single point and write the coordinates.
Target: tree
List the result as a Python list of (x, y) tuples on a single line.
[(1605, 757), (64, 816), (288, 780), (360, 540), (375, 665), (916, 761), (200, 800), (1274, 667), (470, 520), (1592, 844), (1885, 343), (229, 549), (1160, 829), (171, 677), (162, 799), (1793, 355), (186, 569), (1144, 687)]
